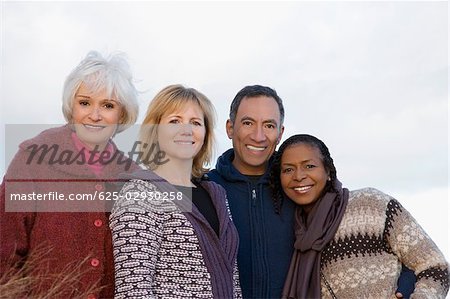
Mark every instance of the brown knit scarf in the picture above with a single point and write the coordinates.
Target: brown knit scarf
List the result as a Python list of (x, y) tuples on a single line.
[(313, 232)]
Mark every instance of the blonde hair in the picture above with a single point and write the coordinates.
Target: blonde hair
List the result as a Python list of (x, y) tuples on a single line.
[(168, 100)]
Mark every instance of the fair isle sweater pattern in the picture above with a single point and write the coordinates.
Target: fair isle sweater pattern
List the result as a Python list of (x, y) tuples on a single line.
[(375, 236), (157, 251)]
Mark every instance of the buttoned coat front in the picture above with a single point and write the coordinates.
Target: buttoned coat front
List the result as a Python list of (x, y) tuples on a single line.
[(76, 241)]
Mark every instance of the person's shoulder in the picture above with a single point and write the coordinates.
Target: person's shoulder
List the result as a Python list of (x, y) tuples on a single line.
[(224, 169), (143, 196), (48, 137), (369, 192), (123, 163), (210, 173), (213, 175), (369, 196), (42, 143), (139, 184), (211, 181)]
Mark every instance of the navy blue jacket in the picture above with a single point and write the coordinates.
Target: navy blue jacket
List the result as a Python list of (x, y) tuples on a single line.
[(266, 238)]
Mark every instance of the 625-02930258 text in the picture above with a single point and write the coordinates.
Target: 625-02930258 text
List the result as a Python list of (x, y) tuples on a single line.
[(97, 195)]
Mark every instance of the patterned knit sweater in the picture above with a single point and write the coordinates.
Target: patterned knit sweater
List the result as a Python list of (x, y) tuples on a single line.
[(375, 236), (159, 253)]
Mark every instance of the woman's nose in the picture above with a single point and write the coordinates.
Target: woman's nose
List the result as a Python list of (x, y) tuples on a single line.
[(95, 114), (186, 129), (299, 174)]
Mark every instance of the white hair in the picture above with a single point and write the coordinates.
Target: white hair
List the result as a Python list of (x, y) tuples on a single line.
[(112, 74)]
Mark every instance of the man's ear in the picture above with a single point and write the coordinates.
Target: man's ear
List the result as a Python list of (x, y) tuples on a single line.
[(230, 129), (280, 135)]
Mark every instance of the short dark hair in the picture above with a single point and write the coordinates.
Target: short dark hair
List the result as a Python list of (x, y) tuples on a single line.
[(255, 91), (328, 163)]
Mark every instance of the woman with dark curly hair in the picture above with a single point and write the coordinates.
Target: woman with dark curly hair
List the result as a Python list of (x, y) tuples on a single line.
[(349, 244)]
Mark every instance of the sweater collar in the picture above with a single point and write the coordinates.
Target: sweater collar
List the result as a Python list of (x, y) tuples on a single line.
[(94, 158), (55, 147), (226, 169)]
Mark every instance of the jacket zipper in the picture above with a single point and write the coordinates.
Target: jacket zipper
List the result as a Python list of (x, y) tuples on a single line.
[(254, 197)]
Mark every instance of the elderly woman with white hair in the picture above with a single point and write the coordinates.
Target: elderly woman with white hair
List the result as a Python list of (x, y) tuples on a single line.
[(63, 247)]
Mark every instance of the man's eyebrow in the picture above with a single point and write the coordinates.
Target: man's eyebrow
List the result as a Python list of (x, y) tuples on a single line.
[(270, 120), (273, 121), (247, 118)]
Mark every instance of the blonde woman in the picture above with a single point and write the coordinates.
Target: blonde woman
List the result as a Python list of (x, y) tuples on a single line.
[(172, 233)]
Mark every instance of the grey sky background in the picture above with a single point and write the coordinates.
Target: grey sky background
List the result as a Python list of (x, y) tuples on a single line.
[(368, 78)]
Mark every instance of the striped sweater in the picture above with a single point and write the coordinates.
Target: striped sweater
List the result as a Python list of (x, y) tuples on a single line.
[(375, 236), (163, 252)]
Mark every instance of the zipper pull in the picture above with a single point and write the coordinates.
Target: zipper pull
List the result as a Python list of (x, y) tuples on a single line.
[(254, 197)]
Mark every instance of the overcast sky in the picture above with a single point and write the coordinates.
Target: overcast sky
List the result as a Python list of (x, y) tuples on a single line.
[(368, 78)]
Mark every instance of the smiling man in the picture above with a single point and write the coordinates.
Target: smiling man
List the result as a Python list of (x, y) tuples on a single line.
[(255, 129), (266, 237)]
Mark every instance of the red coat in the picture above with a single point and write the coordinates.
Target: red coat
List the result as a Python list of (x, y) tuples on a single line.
[(71, 239)]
